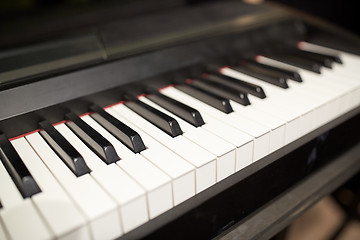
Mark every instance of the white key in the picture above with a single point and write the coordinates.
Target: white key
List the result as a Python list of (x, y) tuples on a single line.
[(224, 151), (181, 172), (351, 61), (3, 235), (18, 213), (98, 208), (204, 161), (60, 213), (243, 141), (155, 182), (306, 95), (127, 193), (294, 121), (337, 92), (338, 104), (278, 126), (346, 82), (259, 132), (346, 71), (158, 184), (112, 179), (279, 99)]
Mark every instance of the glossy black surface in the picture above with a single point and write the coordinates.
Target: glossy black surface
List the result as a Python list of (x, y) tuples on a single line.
[(263, 74), (68, 154), (287, 73), (121, 131), (156, 117), (317, 58), (207, 97), (94, 140), (237, 84), (333, 58), (222, 90), (17, 169), (184, 111), (295, 61)]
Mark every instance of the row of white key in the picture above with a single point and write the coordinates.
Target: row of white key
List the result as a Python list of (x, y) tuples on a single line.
[(120, 197)]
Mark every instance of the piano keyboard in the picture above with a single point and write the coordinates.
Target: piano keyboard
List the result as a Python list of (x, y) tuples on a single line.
[(105, 173)]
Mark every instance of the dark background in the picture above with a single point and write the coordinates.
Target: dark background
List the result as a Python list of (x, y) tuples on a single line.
[(342, 13), (19, 18)]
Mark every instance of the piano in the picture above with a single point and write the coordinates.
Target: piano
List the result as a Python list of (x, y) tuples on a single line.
[(217, 120)]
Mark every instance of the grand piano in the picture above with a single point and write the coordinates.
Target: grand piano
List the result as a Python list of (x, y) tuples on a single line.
[(159, 120)]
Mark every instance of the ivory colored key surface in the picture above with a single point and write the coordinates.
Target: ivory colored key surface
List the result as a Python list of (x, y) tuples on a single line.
[(98, 208), (291, 116), (204, 161), (259, 132), (156, 184), (338, 87), (327, 94), (3, 235), (283, 106), (181, 172), (306, 96), (58, 210), (224, 151), (346, 87), (111, 177), (15, 207), (129, 196), (244, 142), (278, 126), (351, 61)]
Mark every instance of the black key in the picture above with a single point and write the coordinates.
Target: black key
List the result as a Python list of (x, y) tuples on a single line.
[(17, 169), (296, 61), (68, 154), (94, 140), (121, 131), (320, 59), (334, 58), (287, 73), (222, 90), (263, 74), (239, 85), (185, 112), (156, 117), (207, 97)]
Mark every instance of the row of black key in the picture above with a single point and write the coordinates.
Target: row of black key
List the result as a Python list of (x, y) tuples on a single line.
[(212, 88), (69, 155)]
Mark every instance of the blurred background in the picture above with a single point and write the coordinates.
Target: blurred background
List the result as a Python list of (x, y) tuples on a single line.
[(335, 217), (28, 20)]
